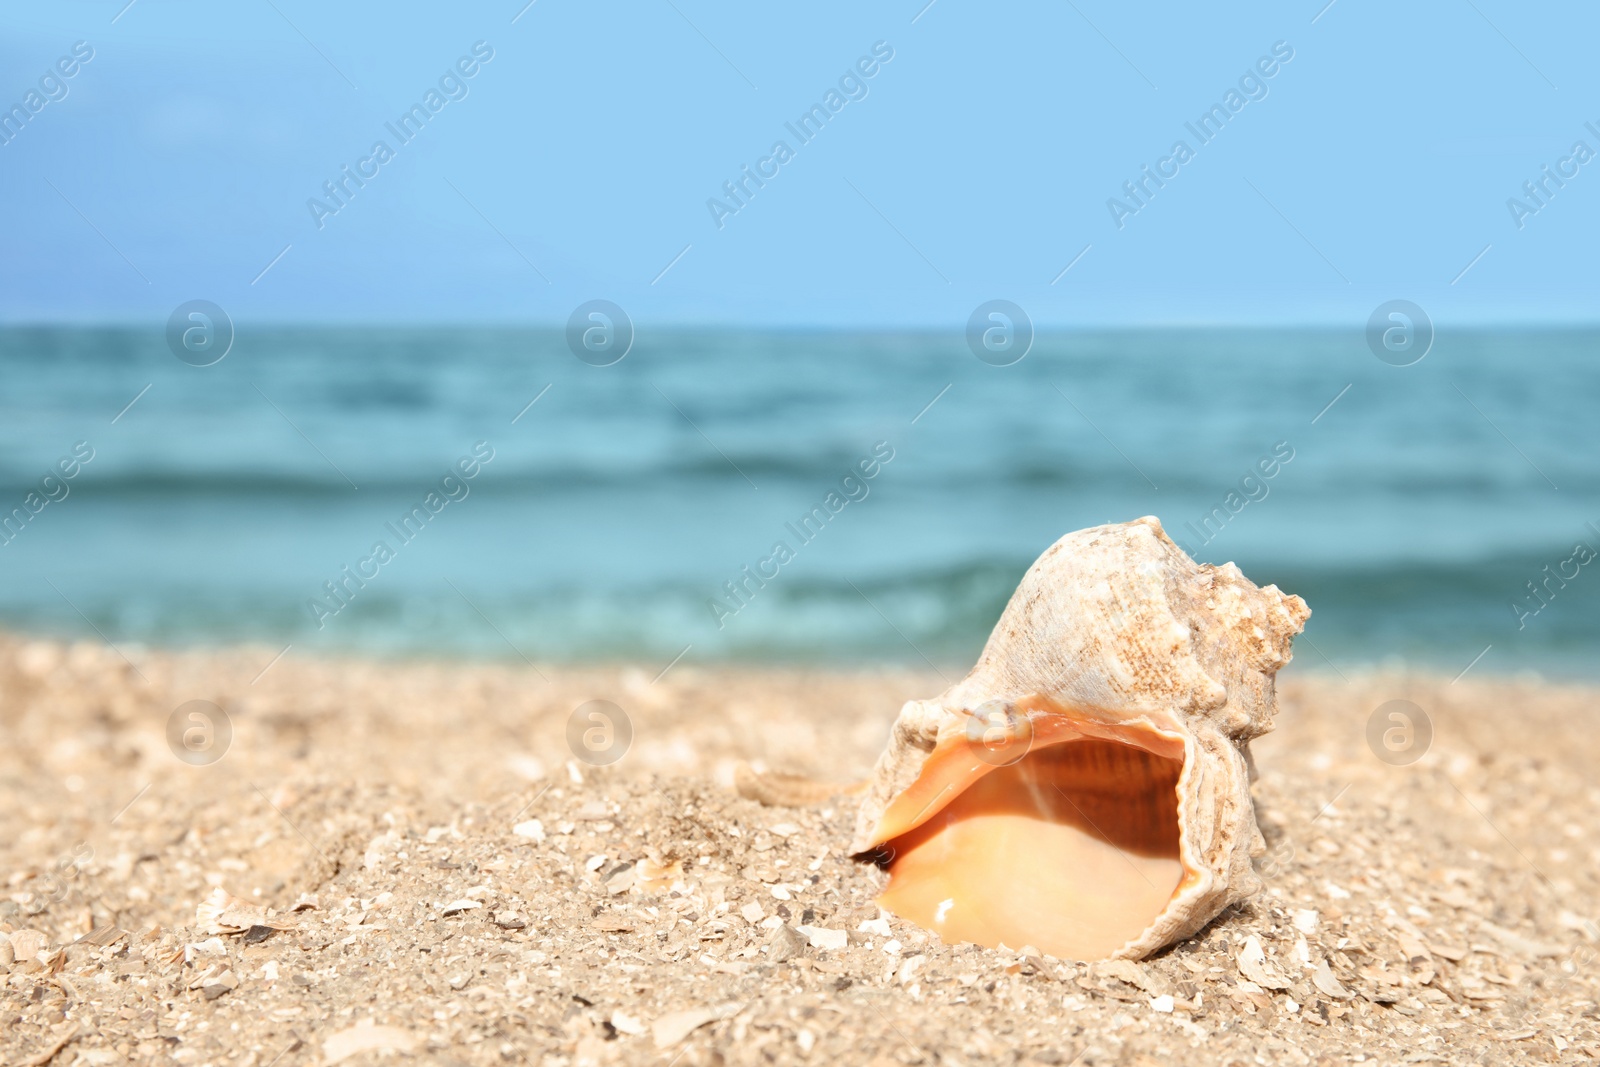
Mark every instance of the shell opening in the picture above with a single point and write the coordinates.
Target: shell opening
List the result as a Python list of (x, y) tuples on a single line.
[(1073, 848)]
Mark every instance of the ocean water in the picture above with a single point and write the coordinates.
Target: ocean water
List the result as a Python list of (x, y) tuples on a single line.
[(1411, 513)]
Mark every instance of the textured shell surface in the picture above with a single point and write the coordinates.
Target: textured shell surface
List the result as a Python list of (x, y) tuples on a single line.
[(1085, 788)]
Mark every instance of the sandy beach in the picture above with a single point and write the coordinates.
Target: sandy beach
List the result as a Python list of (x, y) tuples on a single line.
[(410, 856)]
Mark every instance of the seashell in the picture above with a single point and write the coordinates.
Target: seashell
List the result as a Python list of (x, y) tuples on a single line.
[(1085, 789), (224, 913), (27, 944)]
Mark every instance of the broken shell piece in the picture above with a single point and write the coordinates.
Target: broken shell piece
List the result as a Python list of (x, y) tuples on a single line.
[(27, 944), (653, 877), (1253, 965), (1329, 986), (224, 913), (1085, 788), (365, 1036)]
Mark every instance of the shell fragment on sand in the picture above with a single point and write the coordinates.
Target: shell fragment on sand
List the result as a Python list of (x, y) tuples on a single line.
[(365, 1037), (1328, 985), (1254, 966), (27, 944), (785, 942), (825, 939), (224, 913), (1085, 788), (669, 1029)]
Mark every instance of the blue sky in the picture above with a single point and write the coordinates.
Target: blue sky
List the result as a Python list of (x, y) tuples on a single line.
[(977, 165)]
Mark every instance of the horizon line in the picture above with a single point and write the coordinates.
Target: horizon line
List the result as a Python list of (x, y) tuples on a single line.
[(1550, 325)]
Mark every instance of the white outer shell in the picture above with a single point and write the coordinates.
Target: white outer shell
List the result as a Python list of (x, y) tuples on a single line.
[(1119, 619)]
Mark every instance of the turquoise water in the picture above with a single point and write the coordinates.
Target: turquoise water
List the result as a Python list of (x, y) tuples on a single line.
[(1410, 514)]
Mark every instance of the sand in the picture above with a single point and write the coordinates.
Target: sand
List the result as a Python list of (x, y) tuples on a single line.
[(409, 856)]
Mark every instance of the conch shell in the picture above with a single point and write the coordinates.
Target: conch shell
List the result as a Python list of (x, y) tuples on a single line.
[(1085, 789)]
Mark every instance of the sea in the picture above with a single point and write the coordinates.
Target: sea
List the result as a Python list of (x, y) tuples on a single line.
[(787, 496)]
